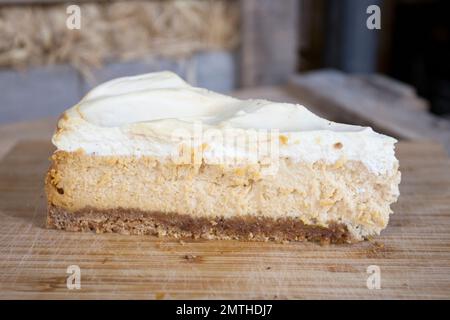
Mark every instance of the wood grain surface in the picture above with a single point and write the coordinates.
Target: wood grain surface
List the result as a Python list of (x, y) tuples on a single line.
[(413, 253)]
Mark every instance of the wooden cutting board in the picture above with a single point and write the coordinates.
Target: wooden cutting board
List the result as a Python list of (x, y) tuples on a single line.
[(413, 253)]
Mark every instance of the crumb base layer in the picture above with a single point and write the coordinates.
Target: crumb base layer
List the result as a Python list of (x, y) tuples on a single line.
[(179, 226)]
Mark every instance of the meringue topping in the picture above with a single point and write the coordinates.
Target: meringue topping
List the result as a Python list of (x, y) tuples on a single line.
[(138, 116)]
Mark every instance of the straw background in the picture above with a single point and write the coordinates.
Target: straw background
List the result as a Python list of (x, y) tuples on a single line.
[(33, 35)]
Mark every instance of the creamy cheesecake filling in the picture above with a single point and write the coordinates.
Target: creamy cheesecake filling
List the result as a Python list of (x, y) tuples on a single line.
[(318, 195), (138, 116)]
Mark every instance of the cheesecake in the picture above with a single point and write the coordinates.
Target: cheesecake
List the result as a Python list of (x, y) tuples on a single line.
[(152, 155)]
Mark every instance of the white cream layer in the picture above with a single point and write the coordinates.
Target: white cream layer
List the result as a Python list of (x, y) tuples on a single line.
[(139, 115)]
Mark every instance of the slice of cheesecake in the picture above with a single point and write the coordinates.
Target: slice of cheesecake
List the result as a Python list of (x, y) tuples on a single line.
[(152, 155)]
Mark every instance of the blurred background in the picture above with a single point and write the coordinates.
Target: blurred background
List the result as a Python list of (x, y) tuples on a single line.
[(321, 53)]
